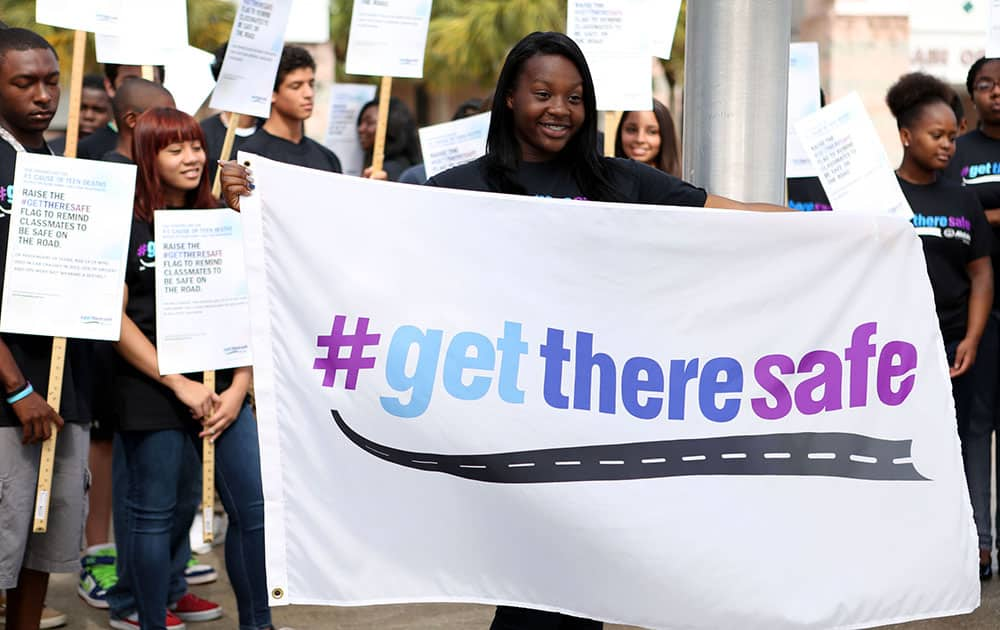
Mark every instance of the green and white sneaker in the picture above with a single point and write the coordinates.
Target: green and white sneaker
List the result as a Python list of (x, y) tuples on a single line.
[(198, 573), (97, 575)]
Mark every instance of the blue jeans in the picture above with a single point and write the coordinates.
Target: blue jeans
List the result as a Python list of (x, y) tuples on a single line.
[(158, 515)]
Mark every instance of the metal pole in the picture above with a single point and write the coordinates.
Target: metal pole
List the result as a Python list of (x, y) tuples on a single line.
[(736, 97)]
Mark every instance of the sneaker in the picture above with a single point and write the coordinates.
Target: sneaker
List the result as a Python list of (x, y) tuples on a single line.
[(193, 608), (132, 622), (198, 573), (97, 575)]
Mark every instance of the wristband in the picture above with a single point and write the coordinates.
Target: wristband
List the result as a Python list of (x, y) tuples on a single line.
[(20, 393)]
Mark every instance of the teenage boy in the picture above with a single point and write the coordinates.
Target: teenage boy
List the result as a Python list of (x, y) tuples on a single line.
[(282, 136), (29, 94), (95, 111), (133, 97), (106, 138)]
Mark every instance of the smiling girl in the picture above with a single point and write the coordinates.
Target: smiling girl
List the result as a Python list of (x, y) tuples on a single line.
[(650, 138)]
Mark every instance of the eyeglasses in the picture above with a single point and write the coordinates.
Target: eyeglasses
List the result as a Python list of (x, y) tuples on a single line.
[(986, 85)]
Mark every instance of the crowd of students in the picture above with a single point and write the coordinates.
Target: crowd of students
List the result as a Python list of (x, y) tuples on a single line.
[(133, 435)]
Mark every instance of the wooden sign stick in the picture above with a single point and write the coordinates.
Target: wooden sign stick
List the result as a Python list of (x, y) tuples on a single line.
[(378, 151), (208, 470), (148, 73), (610, 128), (227, 148), (57, 364)]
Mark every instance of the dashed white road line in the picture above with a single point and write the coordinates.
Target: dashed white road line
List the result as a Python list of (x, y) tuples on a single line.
[(693, 458), (573, 463), (777, 455), (423, 461), (864, 459), (822, 456), (611, 462), (734, 456), (903, 460), (521, 465), (654, 460), (471, 466)]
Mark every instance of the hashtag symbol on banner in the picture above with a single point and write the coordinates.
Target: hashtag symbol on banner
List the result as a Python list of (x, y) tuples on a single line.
[(355, 361)]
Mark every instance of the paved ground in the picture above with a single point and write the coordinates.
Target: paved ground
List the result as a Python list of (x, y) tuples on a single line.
[(62, 595)]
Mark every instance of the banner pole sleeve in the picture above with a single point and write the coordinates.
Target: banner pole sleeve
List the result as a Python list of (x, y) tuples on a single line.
[(378, 153), (208, 466), (227, 148), (57, 363)]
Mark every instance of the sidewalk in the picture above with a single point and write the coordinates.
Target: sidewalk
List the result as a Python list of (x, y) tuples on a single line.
[(62, 595)]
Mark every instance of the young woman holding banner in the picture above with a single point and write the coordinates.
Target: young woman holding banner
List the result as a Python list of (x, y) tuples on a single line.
[(650, 138), (161, 416), (542, 141), (957, 242)]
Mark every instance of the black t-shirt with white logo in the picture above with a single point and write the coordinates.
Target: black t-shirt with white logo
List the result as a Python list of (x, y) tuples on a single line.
[(634, 181), (144, 404), (954, 232), (307, 152), (807, 194), (32, 353)]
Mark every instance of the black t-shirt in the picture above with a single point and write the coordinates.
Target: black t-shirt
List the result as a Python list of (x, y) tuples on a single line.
[(94, 146), (977, 165), (307, 153), (32, 353), (634, 181), (215, 136), (116, 157), (143, 404), (806, 193), (954, 232)]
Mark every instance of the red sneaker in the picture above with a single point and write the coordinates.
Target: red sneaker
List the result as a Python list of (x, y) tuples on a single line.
[(193, 608), (132, 622)]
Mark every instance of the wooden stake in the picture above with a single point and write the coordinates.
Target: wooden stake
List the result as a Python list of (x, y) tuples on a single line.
[(378, 152), (227, 148), (148, 73), (46, 464), (610, 128), (208, 471)]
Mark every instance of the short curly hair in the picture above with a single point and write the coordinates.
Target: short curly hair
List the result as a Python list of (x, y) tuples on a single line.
[(293, 58), (914, 91)]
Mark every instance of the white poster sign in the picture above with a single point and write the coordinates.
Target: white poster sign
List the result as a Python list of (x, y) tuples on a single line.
[(388, 38), (246, 81), (202, 313), (993, 32), (498, 434), (189, 78), (309, 22), (845, 150), (96, 16), (149, 32), (616, 38), (453, 143), (66, 249), (346, 101), (803, 99), (664, 25)]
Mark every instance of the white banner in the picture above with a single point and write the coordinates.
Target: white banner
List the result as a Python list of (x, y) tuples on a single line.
[(202, 310), (246, 80), (388, 38), (845, 150), (66, 248), (671, 418), (453, 143), (346, 101)]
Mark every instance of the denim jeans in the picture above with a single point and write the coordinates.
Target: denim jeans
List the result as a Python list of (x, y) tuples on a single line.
[(158, 514), (974, 394)]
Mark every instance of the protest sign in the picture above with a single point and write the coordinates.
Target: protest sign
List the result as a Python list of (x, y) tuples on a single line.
[(246, 80), (189, 78), (993, 31), (67, 245), (616, 38), (803, 99), (540, 399), (95, 16), (388, 38), (202, 315), (346, 101), (846, 152), (309, 22), (664, 25), (453, 143), (149, 32)]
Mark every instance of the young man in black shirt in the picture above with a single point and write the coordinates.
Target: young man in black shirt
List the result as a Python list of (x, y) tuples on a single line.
[(94, 146), (132, 98), (282, 136), (29, 94)]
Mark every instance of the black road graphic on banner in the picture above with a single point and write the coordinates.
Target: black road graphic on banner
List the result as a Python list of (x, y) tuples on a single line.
[(788, 454)]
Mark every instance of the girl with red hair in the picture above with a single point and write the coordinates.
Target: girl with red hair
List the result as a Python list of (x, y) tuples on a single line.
[(162, 417)]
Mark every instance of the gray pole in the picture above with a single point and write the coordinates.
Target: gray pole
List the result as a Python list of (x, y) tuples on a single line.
[(736, 97)]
